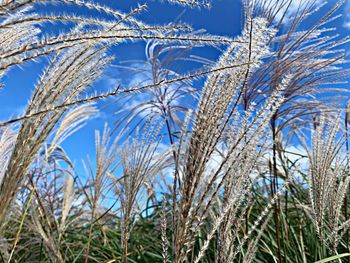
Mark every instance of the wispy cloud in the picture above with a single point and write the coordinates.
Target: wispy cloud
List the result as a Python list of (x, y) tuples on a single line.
[(293, 7), (347, 14)]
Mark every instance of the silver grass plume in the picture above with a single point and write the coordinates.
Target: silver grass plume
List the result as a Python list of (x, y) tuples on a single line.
[(191, 3), (7, 141), (141, 162), (21, 41), (312, 55), (106, 162), (216, 111), (53, 197), (328, 182), (66, 77), (73, 121), (163, 225), (68, 199)]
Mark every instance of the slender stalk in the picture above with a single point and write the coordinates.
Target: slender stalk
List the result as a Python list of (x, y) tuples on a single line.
[(89, 237), (21, 224), (126, 240), (175, 181), (92, 222), (346, 201), (275, 187)]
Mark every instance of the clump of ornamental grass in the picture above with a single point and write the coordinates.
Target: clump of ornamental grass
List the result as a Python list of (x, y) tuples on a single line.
[(67, 76), (78, 61), (216, 205), (141, 162), (107, 153), (216, 117), (328, 182), (48, 197), (312, 56)]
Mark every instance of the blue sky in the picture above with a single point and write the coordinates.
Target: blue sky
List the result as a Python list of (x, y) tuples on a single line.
[(224, 18)]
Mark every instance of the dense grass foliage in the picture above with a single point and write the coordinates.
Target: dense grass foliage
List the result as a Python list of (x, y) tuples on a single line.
[(253, 166)]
